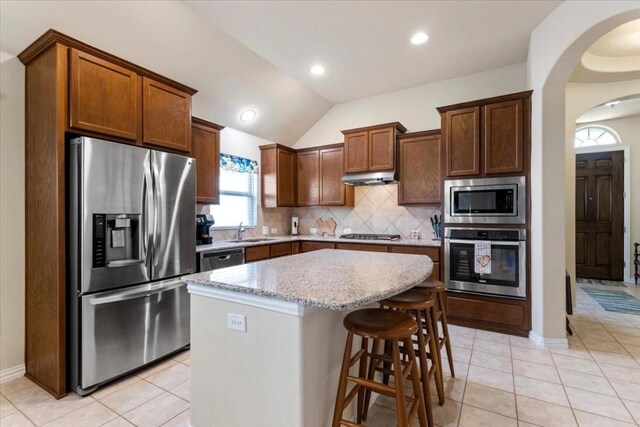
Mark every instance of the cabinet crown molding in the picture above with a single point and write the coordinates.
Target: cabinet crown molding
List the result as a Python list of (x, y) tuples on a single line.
[(52, 36), (479, 102), (207, 123), (282, 147), (420, 134), (399, 127)]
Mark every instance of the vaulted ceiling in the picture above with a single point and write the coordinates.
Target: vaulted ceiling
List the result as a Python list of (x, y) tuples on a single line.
[(257, 54), (365, 47)]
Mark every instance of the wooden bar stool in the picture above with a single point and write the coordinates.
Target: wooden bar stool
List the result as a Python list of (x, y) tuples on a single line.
[(420, 306), (436, 289), (379, 325)]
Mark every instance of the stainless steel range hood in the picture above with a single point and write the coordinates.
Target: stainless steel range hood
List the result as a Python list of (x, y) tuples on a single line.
[(370, 178)]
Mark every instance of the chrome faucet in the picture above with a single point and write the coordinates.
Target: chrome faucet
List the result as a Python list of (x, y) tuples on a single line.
[(240, 231)]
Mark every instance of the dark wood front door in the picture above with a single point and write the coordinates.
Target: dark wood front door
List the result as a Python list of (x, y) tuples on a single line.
[(599, 215)]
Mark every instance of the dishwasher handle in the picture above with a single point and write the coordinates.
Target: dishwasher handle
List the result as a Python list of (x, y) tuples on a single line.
[(222, 255)]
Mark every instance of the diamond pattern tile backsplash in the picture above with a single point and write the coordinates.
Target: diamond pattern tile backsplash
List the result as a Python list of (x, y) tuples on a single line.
[(376, 210)]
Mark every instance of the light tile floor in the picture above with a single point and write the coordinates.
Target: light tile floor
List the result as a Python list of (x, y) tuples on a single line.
[(500, 380)]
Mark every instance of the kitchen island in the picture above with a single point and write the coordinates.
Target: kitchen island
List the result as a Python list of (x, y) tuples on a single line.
[(283, 370)]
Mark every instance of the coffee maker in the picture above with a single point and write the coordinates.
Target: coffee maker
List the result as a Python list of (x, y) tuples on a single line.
[(203, 222)]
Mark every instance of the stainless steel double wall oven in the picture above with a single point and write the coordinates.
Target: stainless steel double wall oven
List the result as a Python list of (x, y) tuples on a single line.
[(477, 204), (131, 233)]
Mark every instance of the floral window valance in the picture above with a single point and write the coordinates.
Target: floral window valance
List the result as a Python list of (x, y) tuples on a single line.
[(238, 164)]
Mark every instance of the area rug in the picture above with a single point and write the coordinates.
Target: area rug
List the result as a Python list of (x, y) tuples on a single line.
[(615, 301), (599, 282)]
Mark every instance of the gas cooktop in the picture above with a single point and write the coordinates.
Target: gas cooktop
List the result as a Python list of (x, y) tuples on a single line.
[(371, 236)]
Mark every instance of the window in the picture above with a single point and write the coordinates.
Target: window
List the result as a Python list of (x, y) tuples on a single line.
[(238, 193), (593, 136)]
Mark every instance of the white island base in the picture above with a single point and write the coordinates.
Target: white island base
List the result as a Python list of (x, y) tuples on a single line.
[(282, 372)]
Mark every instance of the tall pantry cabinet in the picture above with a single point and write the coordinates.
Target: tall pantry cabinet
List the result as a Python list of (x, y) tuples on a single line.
[(71, 89)]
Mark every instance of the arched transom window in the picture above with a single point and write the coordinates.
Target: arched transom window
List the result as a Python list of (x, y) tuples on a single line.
[(592, 136)]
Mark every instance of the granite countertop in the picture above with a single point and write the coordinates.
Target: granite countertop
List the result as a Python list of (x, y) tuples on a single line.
[(328, 278), (224, 244)]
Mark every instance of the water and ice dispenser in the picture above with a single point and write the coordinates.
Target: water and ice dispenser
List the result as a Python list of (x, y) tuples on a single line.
[(116, 240)]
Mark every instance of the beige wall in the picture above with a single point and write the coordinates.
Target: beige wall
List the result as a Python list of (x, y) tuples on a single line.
[(415, 107), (11, 212)]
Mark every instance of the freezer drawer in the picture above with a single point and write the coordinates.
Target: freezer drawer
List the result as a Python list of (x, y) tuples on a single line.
[(123, 330)]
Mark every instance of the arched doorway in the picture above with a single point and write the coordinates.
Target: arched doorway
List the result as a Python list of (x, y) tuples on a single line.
[(555, 48)]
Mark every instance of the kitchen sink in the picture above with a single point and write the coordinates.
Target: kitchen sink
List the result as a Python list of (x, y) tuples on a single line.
[(258, 239)]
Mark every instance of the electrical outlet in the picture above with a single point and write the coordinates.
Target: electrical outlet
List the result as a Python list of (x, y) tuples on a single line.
[(237, 322), (347, 231), (274, 231)]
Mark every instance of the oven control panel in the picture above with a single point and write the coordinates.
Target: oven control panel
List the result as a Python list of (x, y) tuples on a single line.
[(486, 234)]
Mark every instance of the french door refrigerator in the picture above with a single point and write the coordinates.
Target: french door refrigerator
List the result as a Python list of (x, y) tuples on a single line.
[(131, 236)]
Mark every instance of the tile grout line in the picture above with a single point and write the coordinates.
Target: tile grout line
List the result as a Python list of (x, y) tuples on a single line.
[(464, 391), (564, 389)]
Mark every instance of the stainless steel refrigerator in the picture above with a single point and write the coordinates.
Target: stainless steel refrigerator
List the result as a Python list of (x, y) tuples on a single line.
[(131, 226)]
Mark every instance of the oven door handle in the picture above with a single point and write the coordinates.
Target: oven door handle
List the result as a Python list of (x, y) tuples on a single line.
[(493, 242)]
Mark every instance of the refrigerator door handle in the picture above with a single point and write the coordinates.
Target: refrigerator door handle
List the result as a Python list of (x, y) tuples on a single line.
[(124, 262), (148, 209), (133, 294), (156, 193)]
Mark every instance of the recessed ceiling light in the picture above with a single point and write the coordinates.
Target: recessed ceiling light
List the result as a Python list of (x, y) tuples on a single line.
[(419, 38), (317, 70), (247, 115)]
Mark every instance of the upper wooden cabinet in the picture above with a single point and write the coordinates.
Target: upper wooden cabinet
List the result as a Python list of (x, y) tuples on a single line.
[(205, 148), (356, 152), (103, 97), (419, 178), (462, 141), (166, 116), (487, 137), (503, 137), (277, 176), (313, 175), (309, 178), (371, 149), (332, 191)]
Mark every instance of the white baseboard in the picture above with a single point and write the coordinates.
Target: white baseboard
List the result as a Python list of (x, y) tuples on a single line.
[(548, 342), (11, 373)]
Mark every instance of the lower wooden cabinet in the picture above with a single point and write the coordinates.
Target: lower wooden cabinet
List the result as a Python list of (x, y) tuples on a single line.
[(280, 249), (315, 246), (362, 247), (262, 252), (494, 314), (431, 252), (205, 148), (256, 253)]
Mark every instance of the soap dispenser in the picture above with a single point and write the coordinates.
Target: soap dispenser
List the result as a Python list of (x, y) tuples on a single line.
[(294, 225)]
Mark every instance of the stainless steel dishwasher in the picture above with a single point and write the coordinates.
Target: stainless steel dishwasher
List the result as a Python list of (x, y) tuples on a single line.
[(216, 259)]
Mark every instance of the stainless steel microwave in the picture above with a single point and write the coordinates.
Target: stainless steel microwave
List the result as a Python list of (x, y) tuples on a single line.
[(485, 201)]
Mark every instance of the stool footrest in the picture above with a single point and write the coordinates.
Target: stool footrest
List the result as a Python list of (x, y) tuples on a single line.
[(377, 387)]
